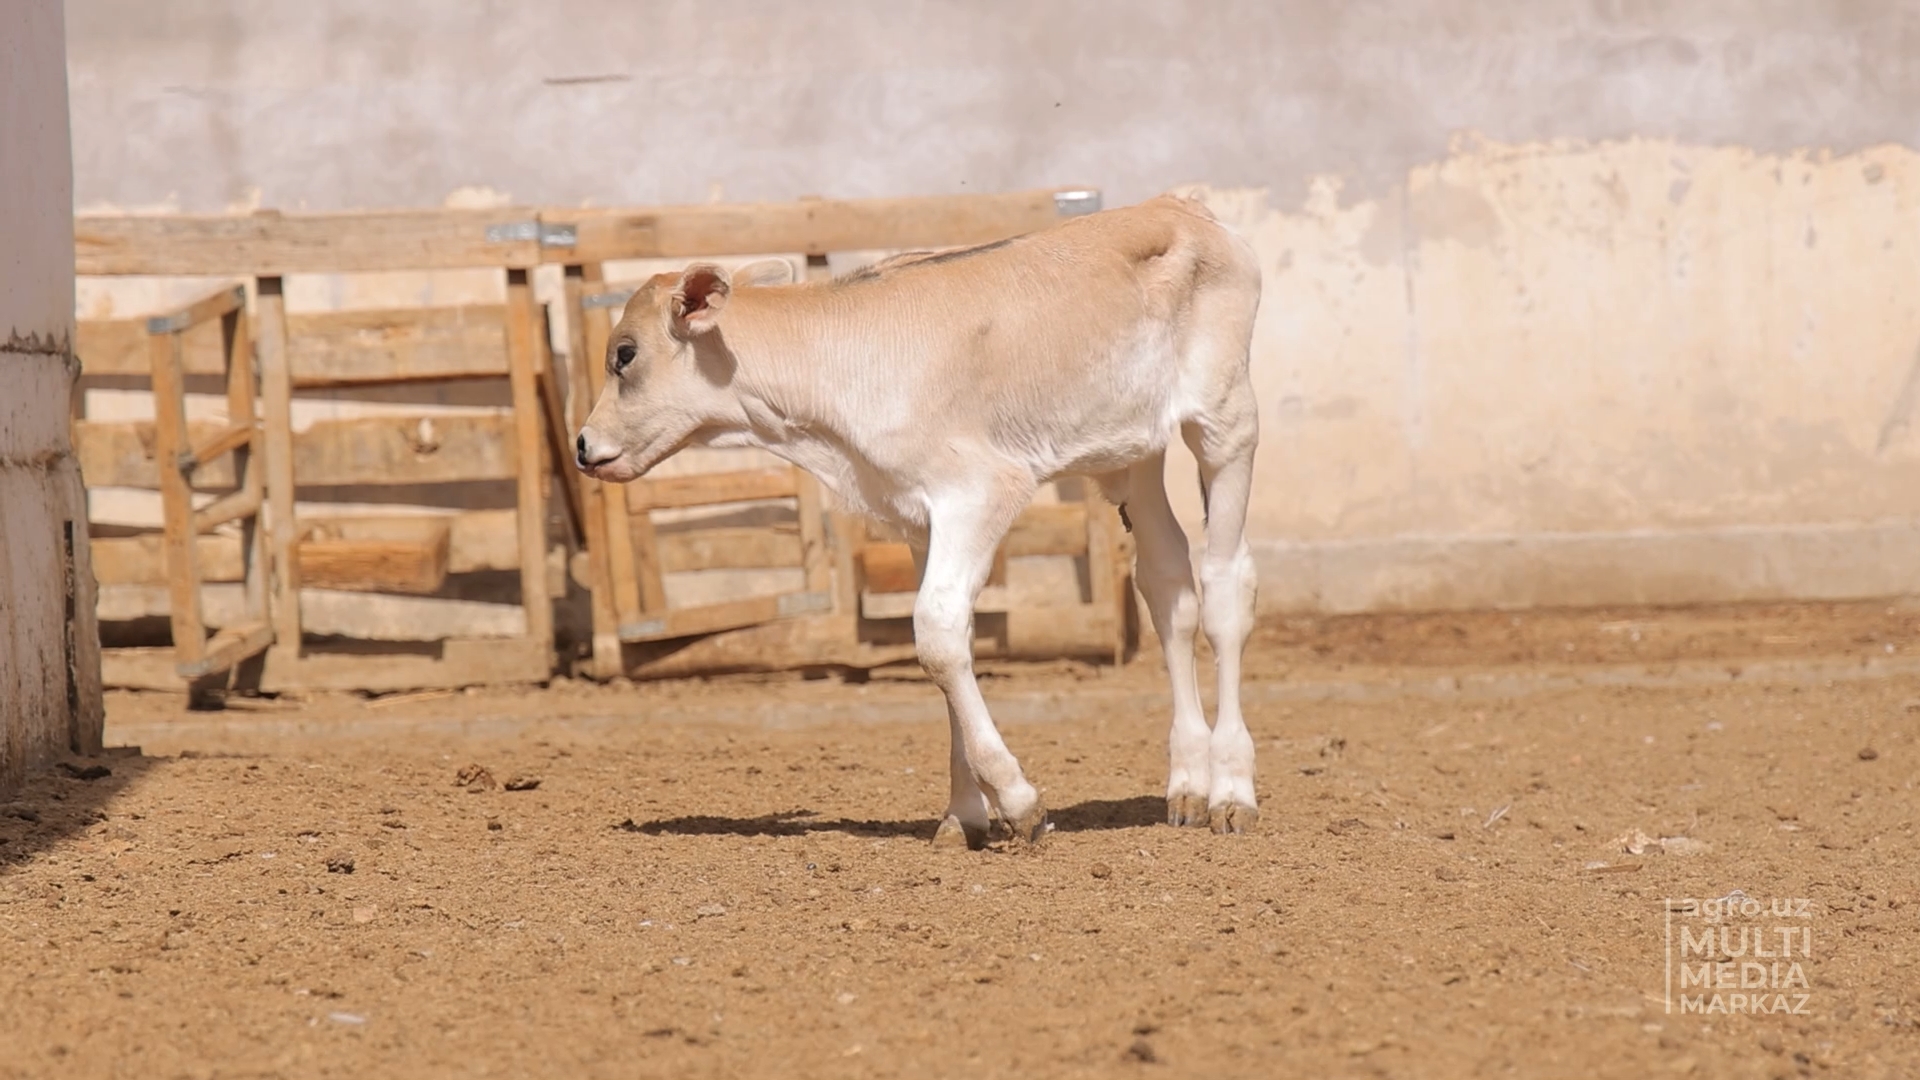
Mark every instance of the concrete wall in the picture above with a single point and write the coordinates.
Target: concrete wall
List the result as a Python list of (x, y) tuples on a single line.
[(49, 653), (1568, 301)]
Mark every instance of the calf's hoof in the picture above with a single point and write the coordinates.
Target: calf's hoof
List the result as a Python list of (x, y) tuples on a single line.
[(955, 835), (1234, 818), (1184, 810), (1030, 826)]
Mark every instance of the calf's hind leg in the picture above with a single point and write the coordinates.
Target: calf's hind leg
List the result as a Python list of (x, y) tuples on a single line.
[(1164, 572), (1224, 448)]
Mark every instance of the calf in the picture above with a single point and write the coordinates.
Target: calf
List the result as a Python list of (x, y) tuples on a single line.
[(937, 392)]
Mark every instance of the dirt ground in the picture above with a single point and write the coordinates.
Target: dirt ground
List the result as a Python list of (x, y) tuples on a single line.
[(1475, 833)]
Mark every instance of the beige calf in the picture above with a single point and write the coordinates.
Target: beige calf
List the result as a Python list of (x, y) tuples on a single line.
[(937, 392)]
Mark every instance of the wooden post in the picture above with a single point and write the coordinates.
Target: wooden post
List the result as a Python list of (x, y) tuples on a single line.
[(633, 562), (531, 504), (176, 497), (249, 463), (276, 419), (606, 624)]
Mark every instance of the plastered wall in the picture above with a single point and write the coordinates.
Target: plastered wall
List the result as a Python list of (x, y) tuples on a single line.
[(1568, 301)]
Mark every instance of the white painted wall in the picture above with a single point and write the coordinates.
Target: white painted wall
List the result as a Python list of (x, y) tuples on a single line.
[(44, 707), (1646, 338)]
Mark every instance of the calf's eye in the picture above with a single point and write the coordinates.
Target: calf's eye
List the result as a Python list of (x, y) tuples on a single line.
[(622, 356)]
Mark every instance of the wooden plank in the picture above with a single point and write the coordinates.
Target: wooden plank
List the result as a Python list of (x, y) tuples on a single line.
[(363, 450), (239, 504), (398, 555), (121, 453), (736, 548), (553, 403), (888, 568), (633, 565), (711, 489), (176, 498), (338, 348), (606, 623), (848, 533), (409, 450), (271, 244), (331, 348), (461, 663), (993, 600), (1048, 529), (227, 648), (732, 614), (815, 557), (139, 669), (227, 441), (276, 418), (119, 347), (809, 226), (142, 560), (243, 413), (1106, 575), (530, 502), (477, 540), (212, 306)]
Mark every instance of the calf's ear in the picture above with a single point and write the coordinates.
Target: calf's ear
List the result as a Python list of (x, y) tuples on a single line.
[(765, 272), (698, 298)]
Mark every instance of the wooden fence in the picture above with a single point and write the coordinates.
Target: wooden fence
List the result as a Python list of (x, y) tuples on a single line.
[(321, 599)]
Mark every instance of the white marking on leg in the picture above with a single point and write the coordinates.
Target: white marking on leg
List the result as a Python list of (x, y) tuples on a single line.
[(1164, 572)]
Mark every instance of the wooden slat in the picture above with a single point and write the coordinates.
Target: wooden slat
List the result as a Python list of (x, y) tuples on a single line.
[(121, 453), (142, 560), (709, 489), (397, 554), (271, 244), (176, 499), (553, 403), (396, 450), (276, 417), (888, 568), (338, 348), (1048, 529), (209, 307), (993, 599), (732, 548), (711, 618), (477, 540), (460, 663), (633, 562), (227, 648), (239, 504), (119, 347), (364, 450), (527, 420), (809, 226), (606, 660), (243, 412), (226, 442), (330, 348)]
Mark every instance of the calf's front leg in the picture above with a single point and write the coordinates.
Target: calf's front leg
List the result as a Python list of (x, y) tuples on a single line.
[(959, 557)]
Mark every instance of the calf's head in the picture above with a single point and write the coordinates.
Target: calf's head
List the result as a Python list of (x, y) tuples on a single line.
[(669, 370)]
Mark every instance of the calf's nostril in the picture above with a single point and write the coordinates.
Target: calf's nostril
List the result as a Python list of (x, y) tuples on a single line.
[(580, 446)]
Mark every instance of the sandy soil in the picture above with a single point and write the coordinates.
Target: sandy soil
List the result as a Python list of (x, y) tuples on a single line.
[(733, 878)]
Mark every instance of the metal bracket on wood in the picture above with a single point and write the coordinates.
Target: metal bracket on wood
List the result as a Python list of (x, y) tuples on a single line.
[(547, 234), (615, 298), (1077, 202), (645, 629), (804, 603)]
